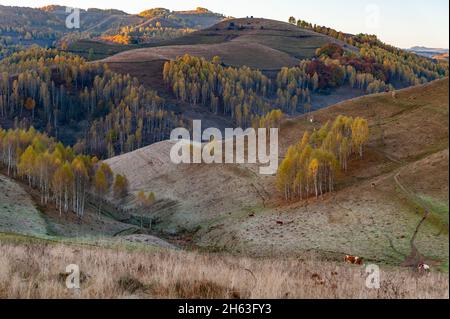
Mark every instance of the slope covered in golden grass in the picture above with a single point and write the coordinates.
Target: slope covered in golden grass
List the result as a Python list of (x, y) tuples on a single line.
[(36, 270)]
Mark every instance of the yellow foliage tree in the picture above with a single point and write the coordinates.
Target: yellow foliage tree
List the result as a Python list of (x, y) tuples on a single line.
[(316, 158)]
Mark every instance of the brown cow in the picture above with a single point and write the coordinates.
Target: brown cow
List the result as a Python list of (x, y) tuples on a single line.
[(354, 260)]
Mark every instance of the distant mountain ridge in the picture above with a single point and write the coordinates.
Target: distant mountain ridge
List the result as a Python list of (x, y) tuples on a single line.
[(62, 9), (53, 17), (432, 53), (46, 26), (422, 48)]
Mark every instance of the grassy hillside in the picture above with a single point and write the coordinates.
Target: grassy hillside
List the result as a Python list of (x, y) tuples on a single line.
[(414, 123), (296, 42), (250, 54), (22, 214), (258, 43), (95, 50), (372, 214), (180, 206), (17, 211)]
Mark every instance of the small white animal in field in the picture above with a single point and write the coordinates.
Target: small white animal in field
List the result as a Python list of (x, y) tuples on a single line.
[(423, 267)]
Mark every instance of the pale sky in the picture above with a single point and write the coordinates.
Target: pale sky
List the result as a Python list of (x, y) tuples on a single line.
[(403, 23)]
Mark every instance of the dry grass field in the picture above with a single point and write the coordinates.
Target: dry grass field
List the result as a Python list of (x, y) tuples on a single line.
[(37, 270), (251, 54)]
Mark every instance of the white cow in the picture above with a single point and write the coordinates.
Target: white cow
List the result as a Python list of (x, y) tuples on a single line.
[(423, 267)]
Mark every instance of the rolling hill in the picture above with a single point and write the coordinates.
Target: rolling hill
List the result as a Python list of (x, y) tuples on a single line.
[(373, 213), (432, 53), (257, 43)]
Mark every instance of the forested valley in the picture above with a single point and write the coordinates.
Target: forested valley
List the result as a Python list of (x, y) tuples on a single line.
[(56, 92)]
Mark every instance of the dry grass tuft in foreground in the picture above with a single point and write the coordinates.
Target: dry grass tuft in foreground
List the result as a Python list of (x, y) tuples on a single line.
[(36, 270)]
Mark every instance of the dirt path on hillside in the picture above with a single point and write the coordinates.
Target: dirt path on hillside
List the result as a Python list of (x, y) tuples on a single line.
[(414, 258)]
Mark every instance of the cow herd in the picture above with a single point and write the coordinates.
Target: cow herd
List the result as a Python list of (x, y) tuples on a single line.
[(355, 260)]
